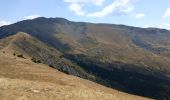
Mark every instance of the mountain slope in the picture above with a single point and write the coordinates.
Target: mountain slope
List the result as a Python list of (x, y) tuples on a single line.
[(122, 57), (22, 44), (22, 79)]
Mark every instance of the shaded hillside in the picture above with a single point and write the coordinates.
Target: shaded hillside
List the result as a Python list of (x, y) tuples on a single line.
[(26, 46), (122, 57), (44, 29), (22, 79)]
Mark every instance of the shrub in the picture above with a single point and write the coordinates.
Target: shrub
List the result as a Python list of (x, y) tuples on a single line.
[(20, 55), (61, 56), (51, 66), (38, 61), (35, 60)]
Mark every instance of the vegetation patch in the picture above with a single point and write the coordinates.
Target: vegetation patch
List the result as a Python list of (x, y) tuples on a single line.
[(36, 60), (20, 56)]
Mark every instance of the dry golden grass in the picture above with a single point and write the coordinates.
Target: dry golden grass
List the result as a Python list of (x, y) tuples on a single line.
[(21, 79)]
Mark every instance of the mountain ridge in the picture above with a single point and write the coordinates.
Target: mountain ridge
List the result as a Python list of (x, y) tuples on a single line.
[(132, 56)]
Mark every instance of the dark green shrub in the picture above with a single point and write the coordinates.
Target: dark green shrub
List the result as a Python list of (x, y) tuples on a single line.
[(20, 55), (35, 60), (51, 66), (38, 61)]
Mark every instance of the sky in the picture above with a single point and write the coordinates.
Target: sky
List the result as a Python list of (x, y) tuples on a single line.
[(139, 13)]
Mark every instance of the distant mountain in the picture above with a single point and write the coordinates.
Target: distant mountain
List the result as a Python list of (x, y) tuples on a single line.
[(131, 59)]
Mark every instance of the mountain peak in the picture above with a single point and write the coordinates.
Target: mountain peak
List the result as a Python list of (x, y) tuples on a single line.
[(52, 20)]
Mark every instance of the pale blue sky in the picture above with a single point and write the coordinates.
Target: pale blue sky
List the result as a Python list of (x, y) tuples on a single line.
[(142, 13)]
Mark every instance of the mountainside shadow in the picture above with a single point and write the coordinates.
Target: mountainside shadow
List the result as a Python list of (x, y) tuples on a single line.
[(126, 81)]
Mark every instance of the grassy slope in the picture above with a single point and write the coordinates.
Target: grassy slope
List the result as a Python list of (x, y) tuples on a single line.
[(31, 48), (132, 56), (22, 79)]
